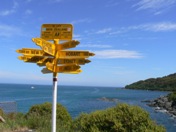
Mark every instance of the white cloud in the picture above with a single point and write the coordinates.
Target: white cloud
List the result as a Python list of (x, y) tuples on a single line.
[(85, 20), (28, 12), (164, 26), (28, 1), (115, 54), (154, 5), (8, 31), (96, 46), (111, 3), (105, 30), (10, 11), (55, 1), (154, 27)]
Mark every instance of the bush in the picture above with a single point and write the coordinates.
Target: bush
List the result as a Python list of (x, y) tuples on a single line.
[(1, 112), (172, 96), (121, 118), (39, 117)]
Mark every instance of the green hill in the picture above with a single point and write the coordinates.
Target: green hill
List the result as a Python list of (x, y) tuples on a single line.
[(166, 83)]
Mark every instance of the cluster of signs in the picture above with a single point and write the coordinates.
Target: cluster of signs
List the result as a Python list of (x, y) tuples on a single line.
[(54, 56)]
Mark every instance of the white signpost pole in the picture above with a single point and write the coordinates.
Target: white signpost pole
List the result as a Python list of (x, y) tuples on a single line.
[(54, 105)]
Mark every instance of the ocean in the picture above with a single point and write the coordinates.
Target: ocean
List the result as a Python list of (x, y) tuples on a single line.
[(79, 99)]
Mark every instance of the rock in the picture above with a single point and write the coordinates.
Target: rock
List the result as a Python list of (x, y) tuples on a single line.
[(163, 104), (2, 119), (174, 104), (108, 99), (167, 105)]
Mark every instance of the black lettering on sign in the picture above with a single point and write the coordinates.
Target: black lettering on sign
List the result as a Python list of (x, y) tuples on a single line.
[(37, 52), (56, 34), (34, 59), (72, 53), (58, 25), (64, 29), (69, 61), (81, 61), (57, 29), (86, 54), (48, 29), (32, 52), (67, 68)]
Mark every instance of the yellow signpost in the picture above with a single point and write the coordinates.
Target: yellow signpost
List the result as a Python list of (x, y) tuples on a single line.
[(36, 59), (63, 68), (56, 31), (80, 61), (75, 54), (55, 56), (48, 47), (67, 45), (31, 52), (45, 71)]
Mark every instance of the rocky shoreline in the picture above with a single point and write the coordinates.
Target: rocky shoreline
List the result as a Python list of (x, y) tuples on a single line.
[(163, 104)]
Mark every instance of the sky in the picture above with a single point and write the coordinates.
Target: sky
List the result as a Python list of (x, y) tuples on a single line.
[(133, 39)]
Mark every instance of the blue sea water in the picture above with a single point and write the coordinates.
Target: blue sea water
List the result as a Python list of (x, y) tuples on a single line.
[(78, 99)]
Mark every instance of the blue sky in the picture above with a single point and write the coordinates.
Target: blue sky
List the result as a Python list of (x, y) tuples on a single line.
[(132, 39)]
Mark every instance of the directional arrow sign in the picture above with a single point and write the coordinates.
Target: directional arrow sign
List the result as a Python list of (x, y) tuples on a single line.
[(73, 72), (67, 45), (31, 52), (74, 54), (63, 68), (45, 71), (56, 31), (48, 47), (36, 59), (80, 61)]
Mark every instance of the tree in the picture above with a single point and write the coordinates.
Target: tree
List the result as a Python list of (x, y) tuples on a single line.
[(121, 118)]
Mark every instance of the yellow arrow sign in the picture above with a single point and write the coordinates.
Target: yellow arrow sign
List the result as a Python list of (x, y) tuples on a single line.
[(67, 45), (74, 54), (36, 59), (45, 71), (56, 31), (80, 61), (42, 60), (63, 68), (31, 52), (48, 47)]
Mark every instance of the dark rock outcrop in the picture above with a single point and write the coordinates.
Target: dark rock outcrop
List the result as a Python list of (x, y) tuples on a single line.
[(163, 103), (108, 99)]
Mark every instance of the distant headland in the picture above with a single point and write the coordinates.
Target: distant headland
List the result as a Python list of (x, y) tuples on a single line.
[(166, 83)]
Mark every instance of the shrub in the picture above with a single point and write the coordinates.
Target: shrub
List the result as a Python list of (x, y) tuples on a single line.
[(172, 96), (121, 118), (39, 117), (1, 112)]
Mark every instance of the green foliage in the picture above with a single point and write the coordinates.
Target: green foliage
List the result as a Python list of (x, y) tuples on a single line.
[(1, 112), (166, 83), (39, 117), (172, 96), (122, 118)]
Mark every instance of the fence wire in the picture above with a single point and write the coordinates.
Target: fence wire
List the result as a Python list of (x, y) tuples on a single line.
[(8, 107)]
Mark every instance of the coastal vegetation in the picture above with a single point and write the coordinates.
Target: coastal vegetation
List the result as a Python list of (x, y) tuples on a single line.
[(120, 118), (166, 83)]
